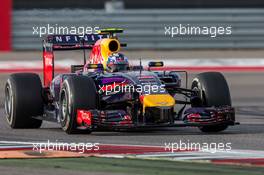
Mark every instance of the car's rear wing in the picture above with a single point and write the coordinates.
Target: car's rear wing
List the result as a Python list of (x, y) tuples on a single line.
[(71, 42), (65, 42)]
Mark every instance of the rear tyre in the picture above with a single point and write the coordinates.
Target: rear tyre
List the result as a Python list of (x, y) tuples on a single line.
[(78, 92), (213, 91), (23, 100)]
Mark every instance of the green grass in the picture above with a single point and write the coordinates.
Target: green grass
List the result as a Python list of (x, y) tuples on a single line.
[(129, 166)]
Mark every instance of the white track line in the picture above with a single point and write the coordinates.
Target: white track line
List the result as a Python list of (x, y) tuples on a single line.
[(182, 155)]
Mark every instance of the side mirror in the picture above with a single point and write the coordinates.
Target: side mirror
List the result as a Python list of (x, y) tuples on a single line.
[(155, 64), (95, 66)]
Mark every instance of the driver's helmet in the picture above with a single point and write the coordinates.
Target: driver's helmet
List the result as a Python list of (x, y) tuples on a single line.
[(117, 62)]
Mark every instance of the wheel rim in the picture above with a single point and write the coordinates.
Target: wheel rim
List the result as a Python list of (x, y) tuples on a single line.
[(64, 107), (198, 89), (8, 103)]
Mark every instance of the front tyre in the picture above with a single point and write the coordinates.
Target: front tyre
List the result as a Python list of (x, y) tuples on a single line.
[(23, 100), (213, 90), (78, 92)]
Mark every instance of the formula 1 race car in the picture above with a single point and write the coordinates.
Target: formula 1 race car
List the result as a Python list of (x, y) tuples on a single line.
[(107, 92)]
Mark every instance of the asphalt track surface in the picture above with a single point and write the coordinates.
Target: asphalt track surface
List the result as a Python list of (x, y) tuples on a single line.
[(247, 91)]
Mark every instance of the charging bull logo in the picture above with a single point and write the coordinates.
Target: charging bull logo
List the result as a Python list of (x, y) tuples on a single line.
[(102, 49), (96, 56)]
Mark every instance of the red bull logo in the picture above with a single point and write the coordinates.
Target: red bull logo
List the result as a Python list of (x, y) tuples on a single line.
[(102, 49)]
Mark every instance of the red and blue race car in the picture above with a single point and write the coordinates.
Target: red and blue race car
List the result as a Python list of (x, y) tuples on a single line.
[(106, 92)]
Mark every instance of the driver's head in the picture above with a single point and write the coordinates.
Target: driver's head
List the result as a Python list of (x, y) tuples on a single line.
[(117, 62)]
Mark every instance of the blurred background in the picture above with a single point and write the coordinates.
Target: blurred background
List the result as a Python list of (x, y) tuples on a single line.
[(143, 21)]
